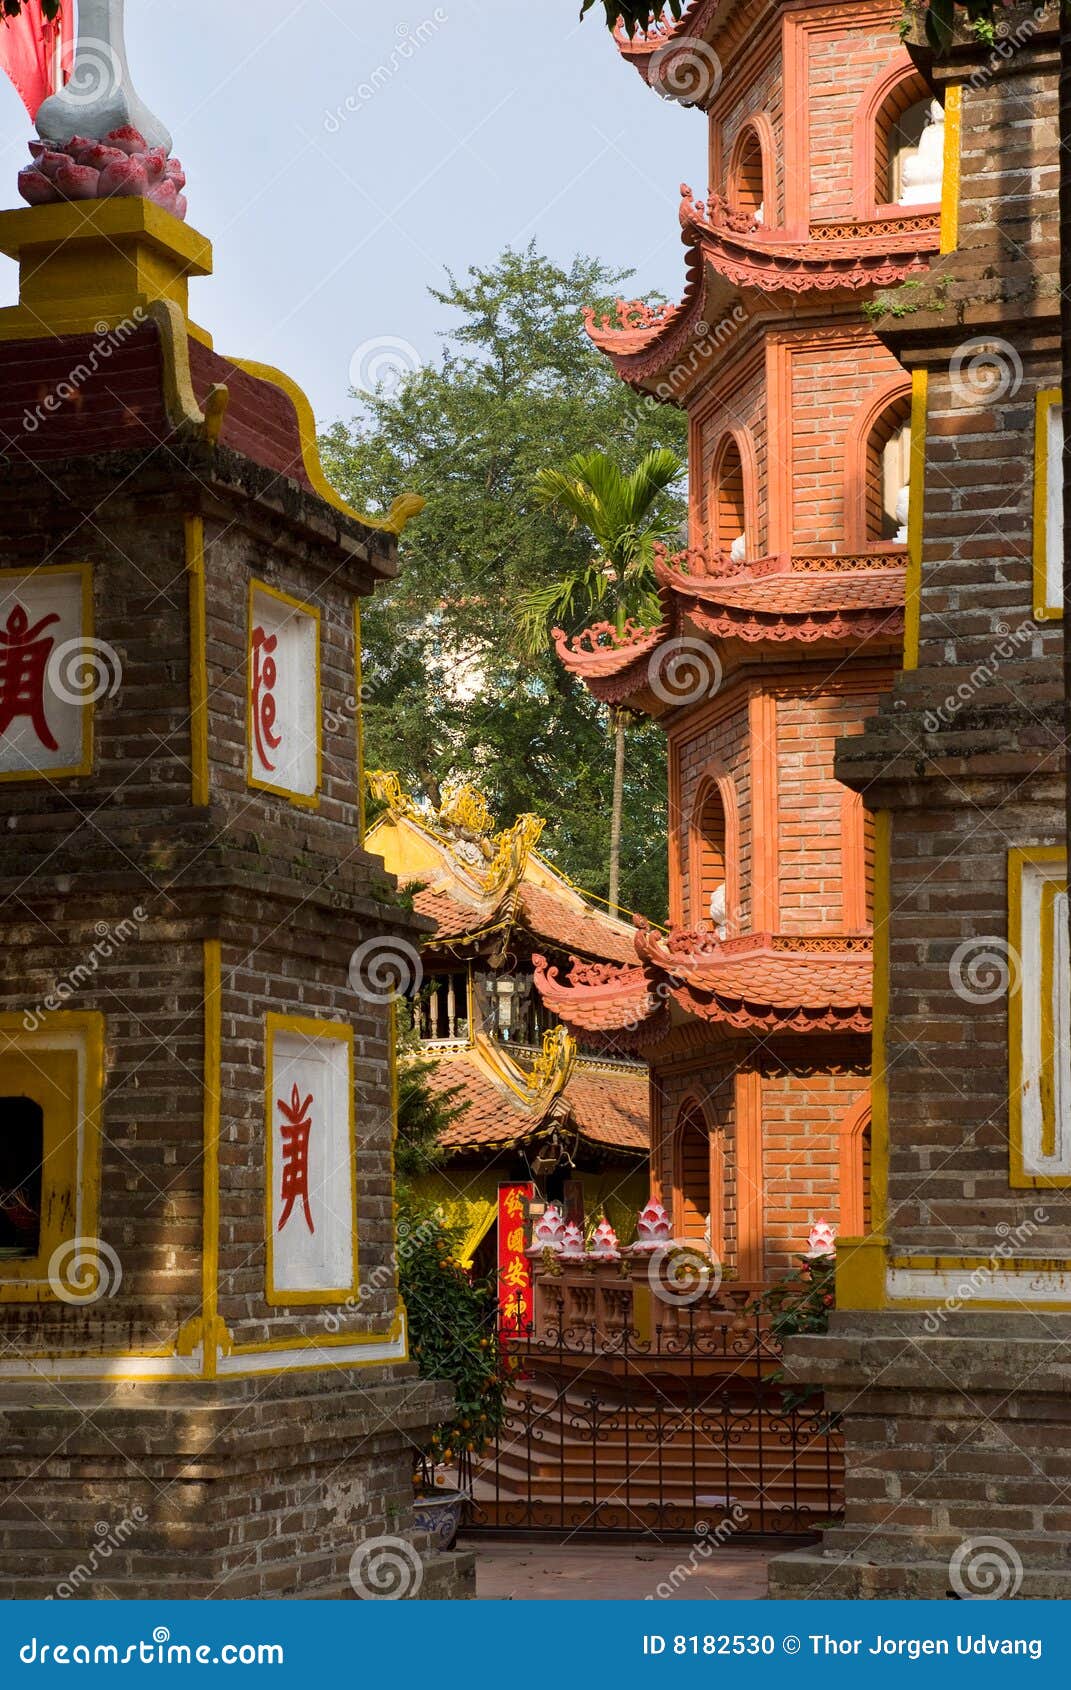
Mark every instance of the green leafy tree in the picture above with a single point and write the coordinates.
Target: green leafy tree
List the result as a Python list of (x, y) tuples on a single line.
[(452, 1335), (625, 516), (451, 692)]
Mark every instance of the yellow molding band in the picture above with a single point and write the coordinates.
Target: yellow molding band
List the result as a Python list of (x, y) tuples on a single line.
[(195, 565), (1043, 610), (405, 506), (861, 1262), (951, 179), (916, 513), (1047, 1075)]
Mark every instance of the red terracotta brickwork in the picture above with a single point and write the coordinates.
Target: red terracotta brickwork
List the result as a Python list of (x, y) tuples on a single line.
[(829, 383), (802, 1121), (798, 381), (840, 65), (814, 854)]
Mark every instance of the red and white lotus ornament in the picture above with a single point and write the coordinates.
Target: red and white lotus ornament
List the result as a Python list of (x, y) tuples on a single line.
[(822, 1240), (653, 1229)]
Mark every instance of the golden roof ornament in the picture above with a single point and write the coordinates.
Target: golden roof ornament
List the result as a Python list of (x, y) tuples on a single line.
[(385, 787), (464, 823), (549, 1074), (465, 809)]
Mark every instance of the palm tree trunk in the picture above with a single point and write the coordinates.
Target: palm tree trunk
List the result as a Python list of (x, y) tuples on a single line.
[(618, 723), (1065, 335)]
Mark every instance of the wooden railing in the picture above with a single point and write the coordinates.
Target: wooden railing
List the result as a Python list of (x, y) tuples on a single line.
[(653, 1297)]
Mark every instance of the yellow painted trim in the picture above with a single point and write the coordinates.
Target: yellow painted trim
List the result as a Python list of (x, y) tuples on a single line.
[(950, 185), (312, 1029), (88, 266), (303, 800), (861, 1261), (400, 1321), (358, 679), (860, 1272), (971, 1264), (195, 566), (913, 607), (79, 1172), (1043, 610), (180, 400), (85, 767), (405, 506), (1018, 1178), (212, 1083)]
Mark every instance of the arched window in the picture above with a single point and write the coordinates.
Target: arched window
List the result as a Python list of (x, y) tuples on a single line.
[(888, 472), (747, 177), (709, 867), (909, 146), (728, 513), (699, 1181)]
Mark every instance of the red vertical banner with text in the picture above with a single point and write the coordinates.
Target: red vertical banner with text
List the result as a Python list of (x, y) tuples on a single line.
[(514, 1268)]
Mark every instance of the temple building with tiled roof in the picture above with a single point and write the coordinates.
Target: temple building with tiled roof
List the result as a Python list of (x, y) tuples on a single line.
[(537, 1104)]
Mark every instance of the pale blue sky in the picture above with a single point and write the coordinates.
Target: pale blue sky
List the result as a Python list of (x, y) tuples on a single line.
[(328, 230)]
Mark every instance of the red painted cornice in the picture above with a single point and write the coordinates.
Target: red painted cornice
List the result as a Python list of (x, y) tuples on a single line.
[(726, 253), (760, 982)]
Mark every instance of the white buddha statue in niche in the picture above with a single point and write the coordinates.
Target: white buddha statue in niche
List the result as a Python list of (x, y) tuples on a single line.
[(903, 511), (719, 911), (738, 549), (922, 171)]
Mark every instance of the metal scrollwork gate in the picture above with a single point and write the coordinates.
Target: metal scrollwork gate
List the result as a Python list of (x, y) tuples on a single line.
[(687, 1430)]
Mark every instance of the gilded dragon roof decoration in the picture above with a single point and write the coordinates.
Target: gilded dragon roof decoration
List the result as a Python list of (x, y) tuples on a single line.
[(464, 823)]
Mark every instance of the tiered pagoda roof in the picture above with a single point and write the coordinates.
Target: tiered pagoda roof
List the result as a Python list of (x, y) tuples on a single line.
[(760, 982), (803, 598), (731, 261)]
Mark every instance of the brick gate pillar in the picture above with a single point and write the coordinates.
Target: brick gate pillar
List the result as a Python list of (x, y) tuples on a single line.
[(948, 1354), (205, 1387)]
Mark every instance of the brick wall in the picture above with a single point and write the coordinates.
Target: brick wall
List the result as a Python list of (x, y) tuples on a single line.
[(831, 377), (288, 891), (840, 66), (811, 811), (803, 1114)]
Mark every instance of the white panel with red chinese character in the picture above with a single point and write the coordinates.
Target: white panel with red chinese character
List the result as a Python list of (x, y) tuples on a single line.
[(41, 634), (283, 696), (311, 1204)]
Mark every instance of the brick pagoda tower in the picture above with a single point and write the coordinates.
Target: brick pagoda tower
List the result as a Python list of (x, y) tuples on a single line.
[(949, 1349), (204, 1354), (782, 622)]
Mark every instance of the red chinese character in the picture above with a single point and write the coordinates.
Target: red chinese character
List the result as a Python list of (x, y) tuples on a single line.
[(264, 679), (23, 662), (297, 1125)]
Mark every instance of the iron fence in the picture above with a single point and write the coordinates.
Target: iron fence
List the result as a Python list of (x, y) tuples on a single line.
[(684, 1429)]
